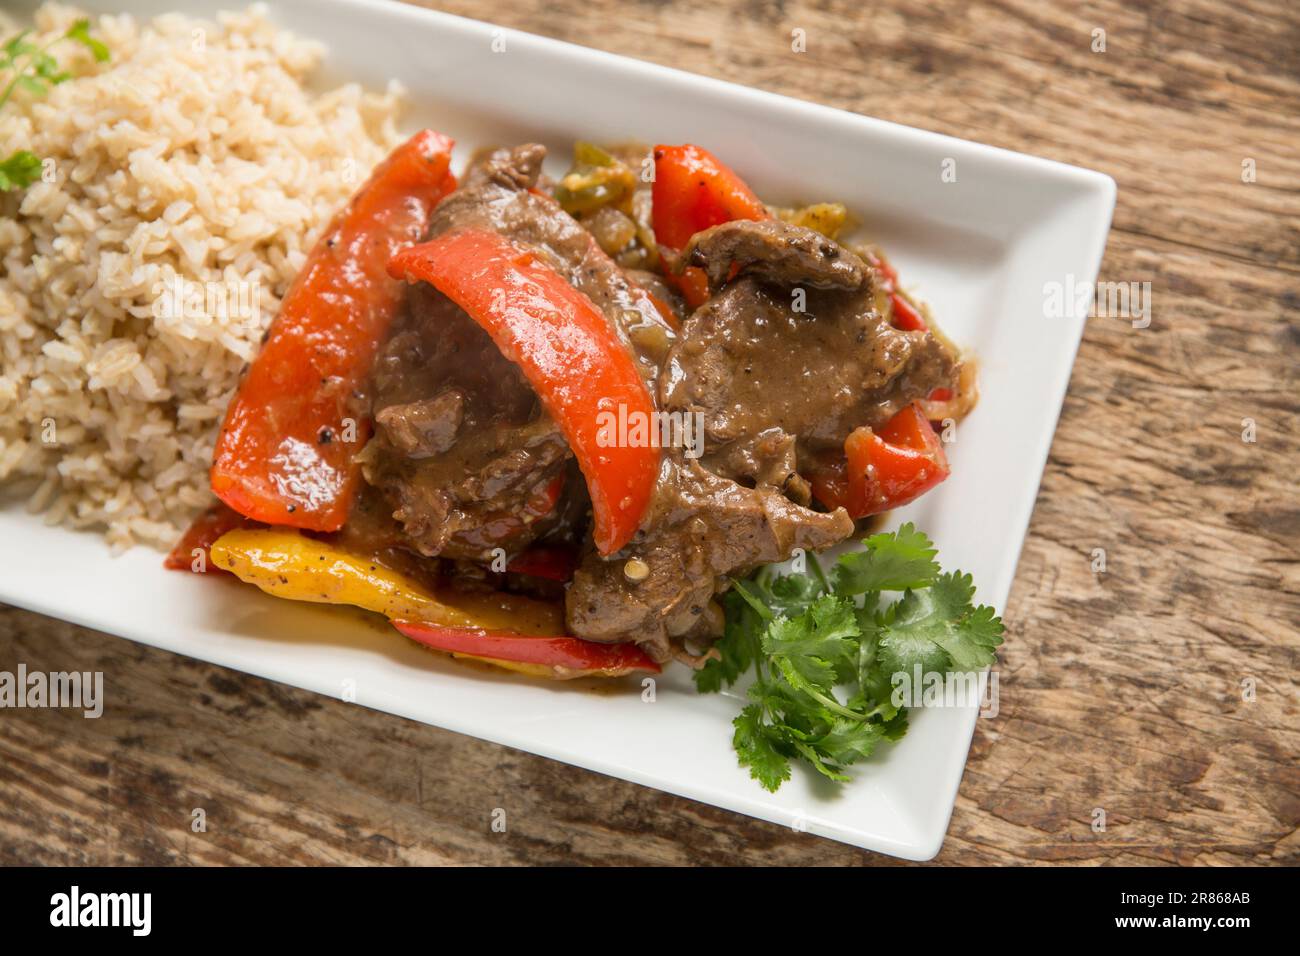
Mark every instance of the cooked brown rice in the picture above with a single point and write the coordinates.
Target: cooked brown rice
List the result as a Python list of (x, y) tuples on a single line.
[(196, 162)]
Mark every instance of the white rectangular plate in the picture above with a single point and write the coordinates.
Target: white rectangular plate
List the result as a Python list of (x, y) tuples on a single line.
[(980, 250)]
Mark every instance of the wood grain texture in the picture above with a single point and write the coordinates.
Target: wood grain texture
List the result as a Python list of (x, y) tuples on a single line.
[(1120, 690)]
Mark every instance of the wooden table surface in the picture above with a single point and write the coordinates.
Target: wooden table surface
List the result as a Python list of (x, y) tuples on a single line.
[(1124, 691)]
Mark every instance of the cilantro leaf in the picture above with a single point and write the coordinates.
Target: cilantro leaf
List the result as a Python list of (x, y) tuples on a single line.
[(938, 629), (789, 595), (756, 746), (35, 70), (736, 649), (909, 643), (799, 713), (20, 170), (79, 32), (891, 562), (896, 727), (972, 642), (815, 757), (875, 684), (812, 649), (47, 70), (16, 46), (850, 740), (810, 641)]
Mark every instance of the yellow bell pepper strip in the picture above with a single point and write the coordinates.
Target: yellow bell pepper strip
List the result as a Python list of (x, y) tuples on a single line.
[(568, 352), (285, 454), (291, 565), (568, 656)]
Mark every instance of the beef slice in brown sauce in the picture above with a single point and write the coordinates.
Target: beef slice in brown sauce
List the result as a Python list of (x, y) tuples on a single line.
[(700, 528), (462, 451), (462, 444), (778, 370), (499, 196), (777, 252), (767, 376)]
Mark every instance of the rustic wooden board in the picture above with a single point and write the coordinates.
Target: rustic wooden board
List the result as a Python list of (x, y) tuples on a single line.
[(1121, 691)]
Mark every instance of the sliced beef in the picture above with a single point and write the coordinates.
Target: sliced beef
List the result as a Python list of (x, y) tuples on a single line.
[(462, 452), (775, 385), (701, 527), (424, 427), (498, 195), (513, 169), (766, 458), (777, 252), (793, 350), (467, 460)]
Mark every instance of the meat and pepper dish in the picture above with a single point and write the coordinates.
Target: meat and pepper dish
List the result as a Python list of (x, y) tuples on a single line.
[(567, 427), (547, 423)]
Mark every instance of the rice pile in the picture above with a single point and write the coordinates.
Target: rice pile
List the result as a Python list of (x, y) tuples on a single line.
[(196, 162)]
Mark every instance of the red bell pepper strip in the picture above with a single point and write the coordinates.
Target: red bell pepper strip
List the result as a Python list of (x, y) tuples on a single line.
[(568, 654), (544, 561), (567, 351), (285, 452), (884, 269), (694, 191), (885, 469), (664, 309), (902, 314), (693, 284), (199, 536), (505, 528)]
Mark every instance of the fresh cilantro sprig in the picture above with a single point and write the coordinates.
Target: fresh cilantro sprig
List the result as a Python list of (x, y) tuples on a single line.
[(35, 70), (823, 650), (20, 170)]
